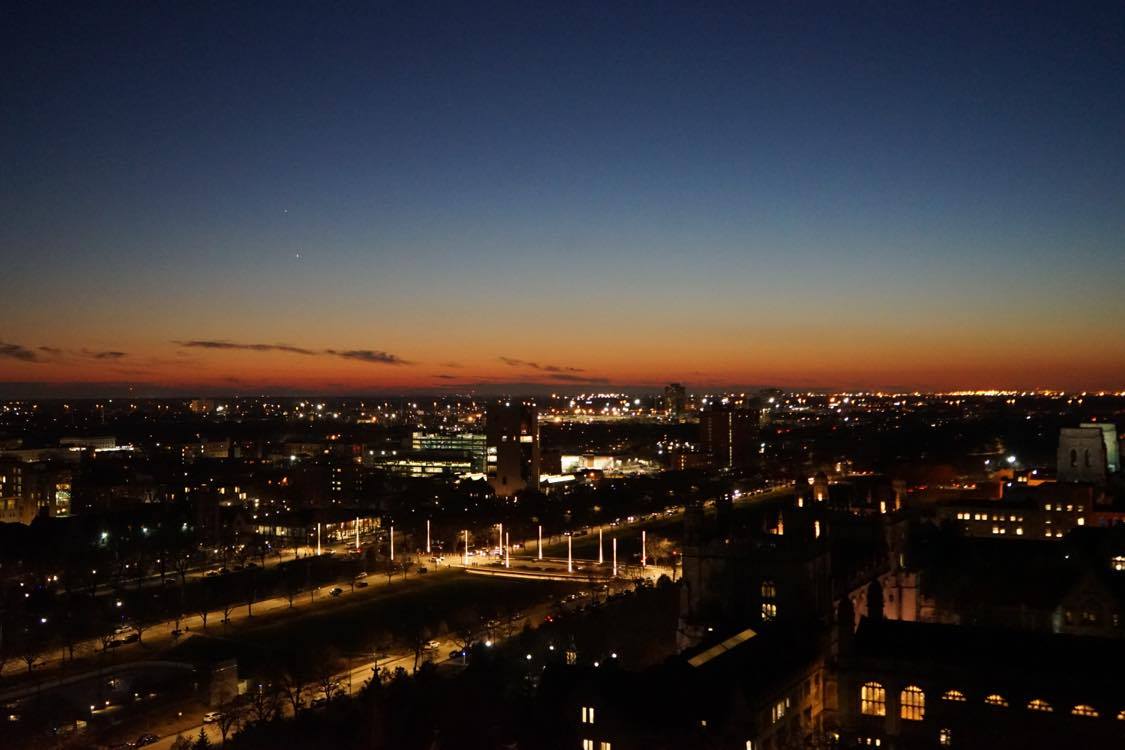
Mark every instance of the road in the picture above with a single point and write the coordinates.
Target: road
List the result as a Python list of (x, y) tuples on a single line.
[(353, 679)]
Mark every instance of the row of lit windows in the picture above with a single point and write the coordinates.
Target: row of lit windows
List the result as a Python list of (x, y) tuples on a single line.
[(1059, 508), (589, 745), (912, 702)]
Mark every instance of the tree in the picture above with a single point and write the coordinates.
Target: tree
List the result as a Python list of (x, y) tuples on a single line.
[(325, 664), (294, 681), (263, 706), (250, 590), (203, 742), (230, 716), (203, 601), (182, 563)]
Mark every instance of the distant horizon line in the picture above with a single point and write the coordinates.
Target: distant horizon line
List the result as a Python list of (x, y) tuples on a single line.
[(90, 391)]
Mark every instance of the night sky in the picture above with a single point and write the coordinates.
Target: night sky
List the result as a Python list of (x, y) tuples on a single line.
[(335, 197)]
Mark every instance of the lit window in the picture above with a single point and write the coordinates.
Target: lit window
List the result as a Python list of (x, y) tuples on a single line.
[(778, 710), (587, 745), (769, 590), (996, 700), (587, 714), (1081, 521), (1038, 704), (913, 703), (1121, 715), (769, 611), (954, 695), (603, 745), (873, 699), (945, 737), (1119, 562), (1083, 710)]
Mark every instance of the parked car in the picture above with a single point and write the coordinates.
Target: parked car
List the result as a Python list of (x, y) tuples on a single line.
[(336, 591), (211, 717), (423, 570), (146, 739), (361, 584)]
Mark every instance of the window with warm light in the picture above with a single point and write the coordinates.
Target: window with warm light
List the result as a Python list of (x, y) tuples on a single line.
[(954, 695), (996, 700), (769, 611), (1083, 710), (945, 737), (912, 703), (872, 699), (1038, 704), (603, 745), (587, 745), (1121, 715), (587, 714)]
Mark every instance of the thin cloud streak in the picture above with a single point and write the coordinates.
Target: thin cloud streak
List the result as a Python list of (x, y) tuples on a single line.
[(15, 351), (372, 356), (513, 362)]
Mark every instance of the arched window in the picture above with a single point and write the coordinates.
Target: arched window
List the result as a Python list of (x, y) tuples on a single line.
[(872, 699), (913, 703), (1083, 710), (1073, 458), (954, 695), (996, 700), (1038, 704)]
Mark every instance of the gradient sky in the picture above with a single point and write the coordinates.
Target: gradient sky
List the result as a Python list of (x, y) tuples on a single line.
[(327, 197)]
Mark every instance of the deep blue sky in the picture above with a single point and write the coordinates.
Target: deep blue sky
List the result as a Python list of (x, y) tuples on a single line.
[(844, 194)]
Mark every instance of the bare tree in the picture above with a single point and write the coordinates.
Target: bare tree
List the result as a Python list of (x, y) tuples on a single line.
[(263, 706), (230, 717), (294, 681)]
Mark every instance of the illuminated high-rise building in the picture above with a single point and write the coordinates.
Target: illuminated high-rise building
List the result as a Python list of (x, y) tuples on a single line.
[(675, 399), (512, 434), (729, 434)]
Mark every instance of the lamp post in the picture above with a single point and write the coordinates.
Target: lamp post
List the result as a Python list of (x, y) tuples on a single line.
[(615, 557), (540, 547), (318, 537), (569, 554), (507, 551), (601, 559), (466, 554), (392, 542), (427, 536), (643, 545), (357, 533)]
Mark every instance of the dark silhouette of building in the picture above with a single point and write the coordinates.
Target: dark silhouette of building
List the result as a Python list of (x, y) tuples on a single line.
[(730, 434), (512, 435), (675, 399)]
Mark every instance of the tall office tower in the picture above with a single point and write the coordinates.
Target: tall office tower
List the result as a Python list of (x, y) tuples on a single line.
[(729, 434), (675, 399), (512, 434)]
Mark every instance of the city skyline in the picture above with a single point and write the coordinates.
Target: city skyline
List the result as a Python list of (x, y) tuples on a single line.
[(392, 198)]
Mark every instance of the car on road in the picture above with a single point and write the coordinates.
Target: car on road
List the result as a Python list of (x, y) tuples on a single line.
[(432, 644), (423, 570), (146, 739), (361, 584), (211, 717), (336, 591), (456, 653)]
